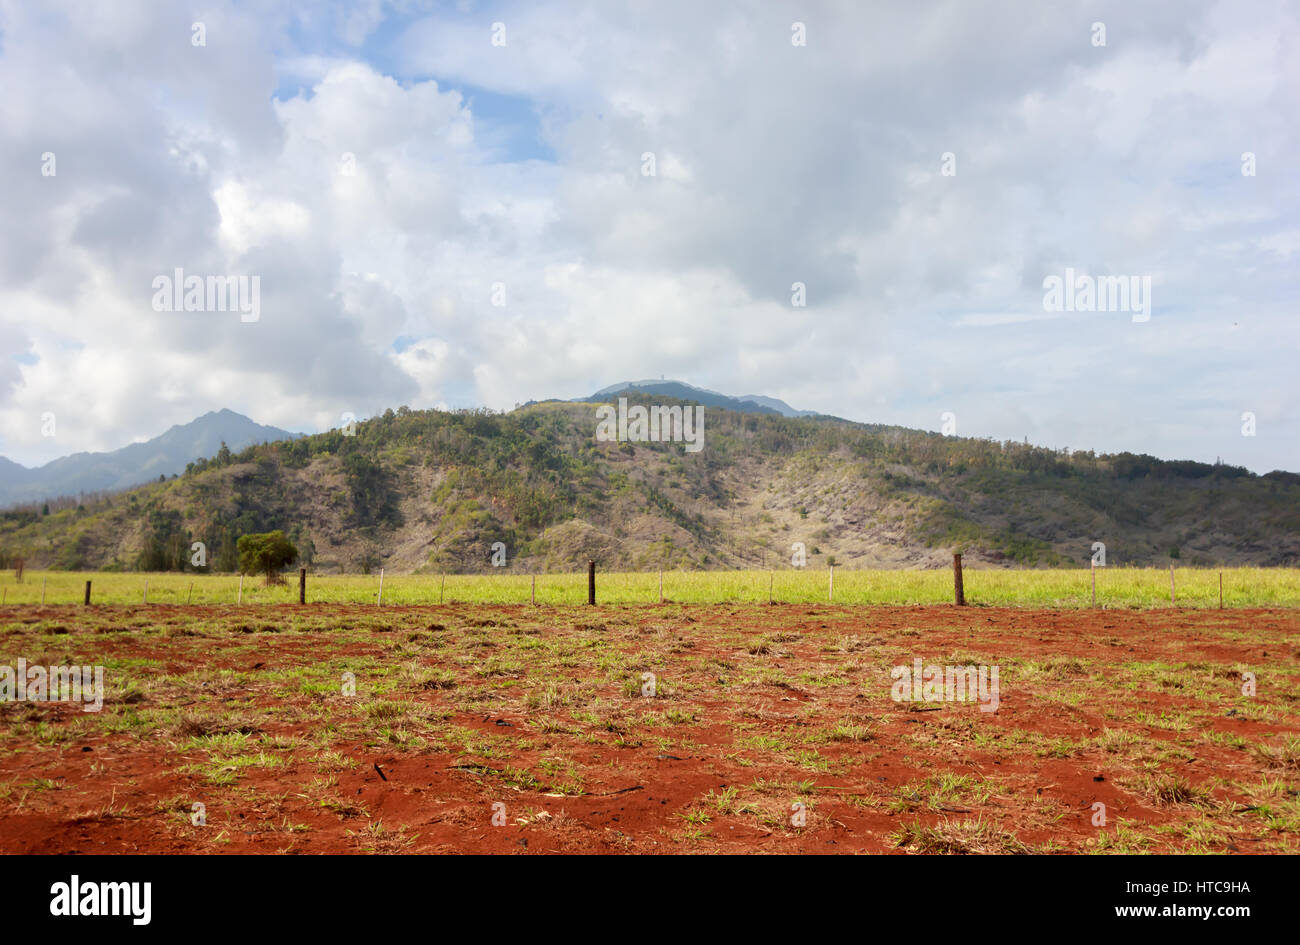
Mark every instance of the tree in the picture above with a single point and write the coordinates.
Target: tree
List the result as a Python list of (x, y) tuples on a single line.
[(166, 543), (374, 500), (227, 554), (268, 553)]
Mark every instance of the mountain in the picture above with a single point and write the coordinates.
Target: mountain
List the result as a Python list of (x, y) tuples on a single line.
[(780, 406), (432, 491), (164, 455), (679, 390)]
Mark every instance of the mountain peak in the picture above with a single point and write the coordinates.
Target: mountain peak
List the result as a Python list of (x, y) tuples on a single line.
[(165, 455), (680, 390)]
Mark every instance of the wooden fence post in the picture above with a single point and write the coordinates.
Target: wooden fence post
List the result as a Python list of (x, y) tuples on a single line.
[(830, 594), (87, 593), (302, 586), (959, 593), (1094, 585), (770, 578), (534, 593), (1173, 596), (442, 585), (661, 585), (189, 598), (144, 599), (380, 601), (591, 582), (43, 590)]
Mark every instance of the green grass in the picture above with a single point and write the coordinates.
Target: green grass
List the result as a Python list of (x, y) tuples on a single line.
[(245, 710), (1116, 587), (958, 836)]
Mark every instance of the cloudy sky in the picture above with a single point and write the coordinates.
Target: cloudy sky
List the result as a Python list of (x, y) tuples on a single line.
[(390, 170)]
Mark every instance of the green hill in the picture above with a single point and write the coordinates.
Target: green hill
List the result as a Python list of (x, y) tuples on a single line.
[(432, 491)]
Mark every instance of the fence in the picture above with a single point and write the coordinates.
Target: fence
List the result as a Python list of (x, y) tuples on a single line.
[(1115, 587)]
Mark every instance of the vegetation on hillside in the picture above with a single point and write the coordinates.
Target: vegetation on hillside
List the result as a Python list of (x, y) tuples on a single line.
[(433, 491)]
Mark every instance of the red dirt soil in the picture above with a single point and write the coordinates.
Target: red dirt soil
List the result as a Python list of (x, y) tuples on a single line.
[(758, 709)]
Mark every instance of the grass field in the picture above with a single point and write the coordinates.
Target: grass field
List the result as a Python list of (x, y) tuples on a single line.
[(1116, 587), (512, 729)]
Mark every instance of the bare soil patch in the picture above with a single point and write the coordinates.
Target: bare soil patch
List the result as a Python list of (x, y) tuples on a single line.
[(474, 729)]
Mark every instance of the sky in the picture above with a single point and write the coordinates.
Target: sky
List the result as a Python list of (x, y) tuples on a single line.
[(479, 204)]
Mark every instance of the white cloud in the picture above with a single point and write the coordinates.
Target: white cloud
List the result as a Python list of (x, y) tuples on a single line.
[(775, 164)]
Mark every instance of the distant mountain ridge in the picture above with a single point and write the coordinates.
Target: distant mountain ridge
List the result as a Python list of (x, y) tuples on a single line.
[(164, 455), (169, 453), (749, 403), (434, 492)]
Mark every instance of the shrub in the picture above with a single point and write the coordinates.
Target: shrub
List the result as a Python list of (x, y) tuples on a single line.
[(268, 553)]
